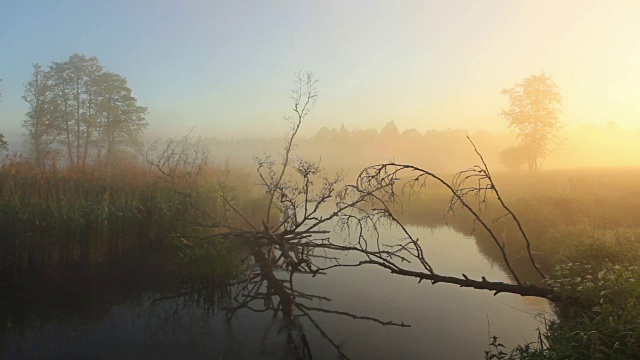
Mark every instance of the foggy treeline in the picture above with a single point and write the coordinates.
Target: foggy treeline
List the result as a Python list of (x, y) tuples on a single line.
[(437, 150)]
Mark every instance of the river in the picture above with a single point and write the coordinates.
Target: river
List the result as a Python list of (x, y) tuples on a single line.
[(111, 314)]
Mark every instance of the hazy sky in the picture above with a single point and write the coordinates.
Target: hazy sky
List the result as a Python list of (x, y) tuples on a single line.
[(227, 66)]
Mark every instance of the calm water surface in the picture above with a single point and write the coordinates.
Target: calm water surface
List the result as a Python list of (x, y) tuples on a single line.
[(113, 316)]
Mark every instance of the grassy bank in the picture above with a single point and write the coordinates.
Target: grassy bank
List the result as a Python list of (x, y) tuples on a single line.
[(69, 215), (599, 317), (584, 226), (559, 210)]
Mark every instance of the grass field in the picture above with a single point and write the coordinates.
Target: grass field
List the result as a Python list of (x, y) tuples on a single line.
[(584, 226)]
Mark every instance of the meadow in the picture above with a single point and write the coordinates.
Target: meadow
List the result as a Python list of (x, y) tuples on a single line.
[(584, 227)]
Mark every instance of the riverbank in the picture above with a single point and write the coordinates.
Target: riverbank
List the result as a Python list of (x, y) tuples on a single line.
[(584, 228), (67, 215)]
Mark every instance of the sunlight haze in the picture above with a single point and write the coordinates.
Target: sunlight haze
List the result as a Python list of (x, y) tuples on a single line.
[(444, 179), (226, 67)]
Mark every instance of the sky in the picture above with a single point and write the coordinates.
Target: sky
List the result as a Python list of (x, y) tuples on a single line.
[(227, 67)]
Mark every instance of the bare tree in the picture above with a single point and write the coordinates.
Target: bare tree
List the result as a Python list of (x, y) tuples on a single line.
[(304, 202), (471, 190), (180, 162)]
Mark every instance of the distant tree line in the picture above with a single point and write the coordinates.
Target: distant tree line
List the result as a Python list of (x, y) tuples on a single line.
[(353, 149), (79, 112)]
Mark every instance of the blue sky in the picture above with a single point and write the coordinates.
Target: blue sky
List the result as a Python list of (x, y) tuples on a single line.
[(227, 67)]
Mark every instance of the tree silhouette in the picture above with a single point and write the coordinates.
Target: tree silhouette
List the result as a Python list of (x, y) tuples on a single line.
[(3, 143), (303, 203), (83, 108), (534, 114)]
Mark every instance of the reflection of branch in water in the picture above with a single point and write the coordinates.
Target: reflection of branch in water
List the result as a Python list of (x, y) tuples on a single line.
[(305, 296), (353, 316), (199, 289), (279, 296), (263, 291), (337, 346)]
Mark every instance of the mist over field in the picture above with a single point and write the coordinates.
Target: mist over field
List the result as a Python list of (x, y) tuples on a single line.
[(413, 179), (438, 150)]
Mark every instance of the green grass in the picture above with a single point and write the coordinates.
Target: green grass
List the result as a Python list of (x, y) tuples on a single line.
[(584, 226), (558, 210), (599, 317), (586, 229)]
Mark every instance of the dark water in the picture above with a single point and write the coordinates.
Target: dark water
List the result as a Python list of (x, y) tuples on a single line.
[(109, 313)]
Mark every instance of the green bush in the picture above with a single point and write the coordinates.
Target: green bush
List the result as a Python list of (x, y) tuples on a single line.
[(598, 316)]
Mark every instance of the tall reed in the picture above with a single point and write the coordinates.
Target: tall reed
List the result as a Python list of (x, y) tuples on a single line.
[(70, 215)]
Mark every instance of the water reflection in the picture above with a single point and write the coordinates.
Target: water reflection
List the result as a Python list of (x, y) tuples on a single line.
[(138, 309)]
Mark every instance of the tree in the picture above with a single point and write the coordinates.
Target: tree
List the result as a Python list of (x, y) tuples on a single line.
[(389, 131), (303, 200), (4, 146), (40, 123), (514, 157), (534, 115), (120, 119), (86, 110), (74, 83), (3, 143)]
